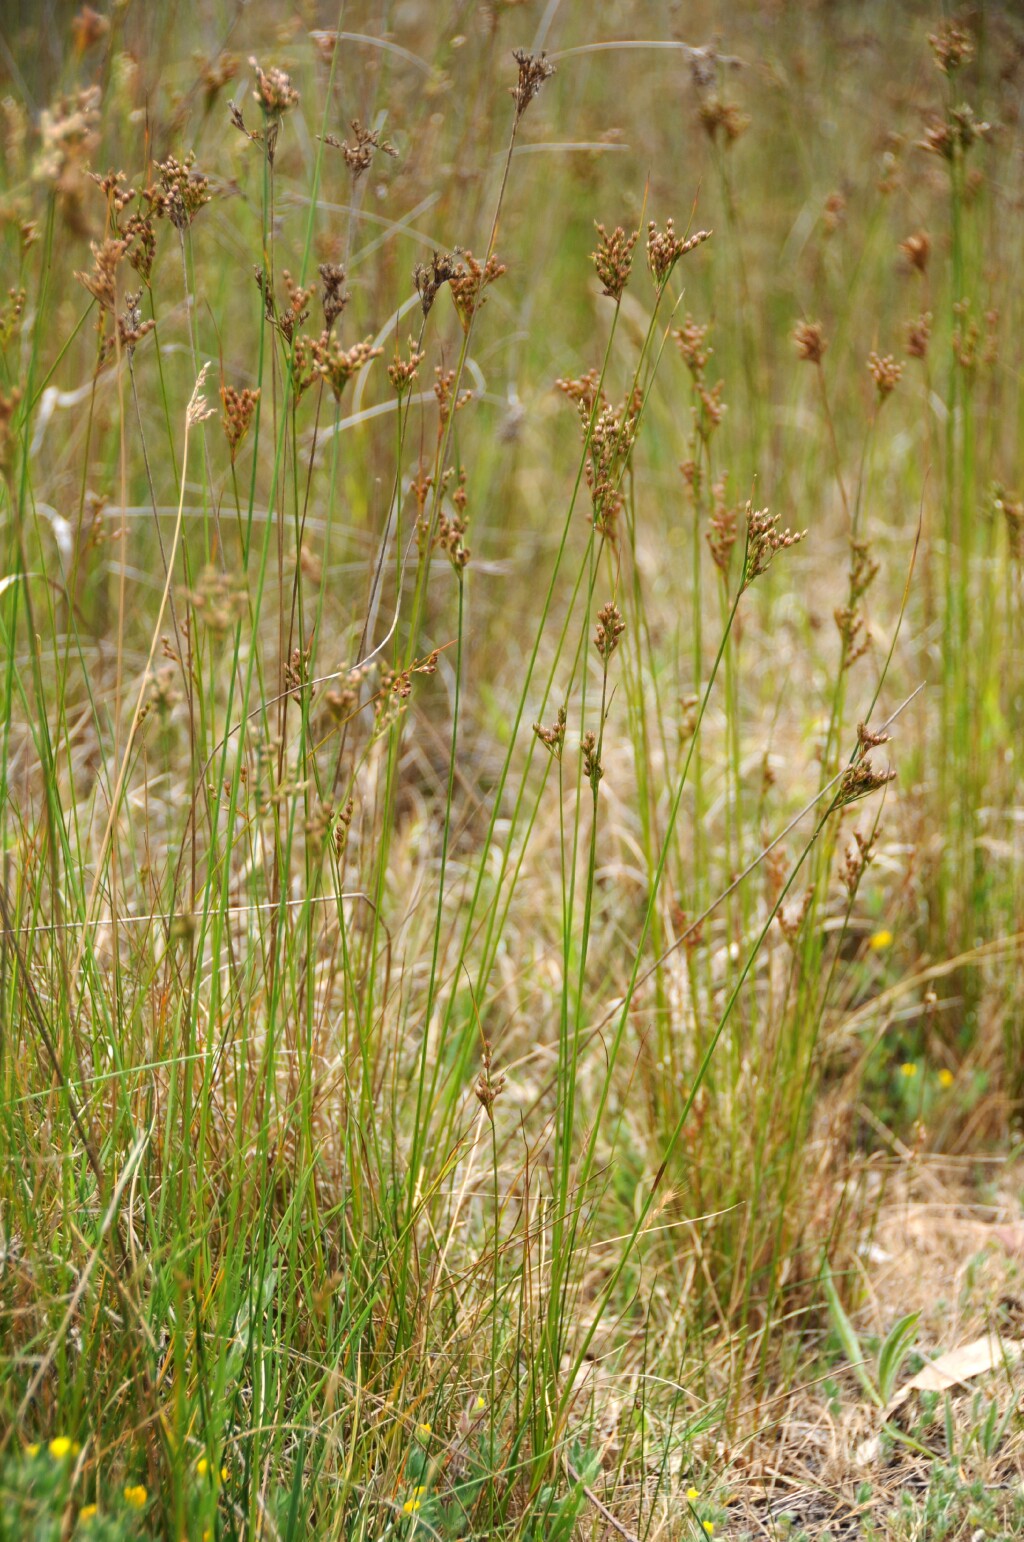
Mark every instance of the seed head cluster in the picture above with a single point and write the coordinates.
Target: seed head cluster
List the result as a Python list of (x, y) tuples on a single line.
[(613, 259)]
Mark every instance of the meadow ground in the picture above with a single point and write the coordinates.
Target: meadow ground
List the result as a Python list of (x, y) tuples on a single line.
[(512, 659)]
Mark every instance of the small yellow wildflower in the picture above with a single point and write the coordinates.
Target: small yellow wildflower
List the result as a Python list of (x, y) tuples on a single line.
[(908, 1069), (60, 1447), (481, 1402), (946, 1078), (33, 1449), (135, 1494), (423, 1430), (880, 941), (202, 1467), (223, 1475), (709, 1527), (411, 1506), (87, 1512), (692, 1494)]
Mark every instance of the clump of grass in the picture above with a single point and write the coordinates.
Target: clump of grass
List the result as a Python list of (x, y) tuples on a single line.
[(415, 1123)]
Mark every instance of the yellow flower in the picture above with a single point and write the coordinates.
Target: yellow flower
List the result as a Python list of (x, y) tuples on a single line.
[(60, 1447), (223, 1475), (908, 1069), (692, 1494), (946, 1077), (136, 1496), (33, 1449), (481, 1402), (880, 941), (411, 1506), (423, 1430), (709, 1527), (202, 1467), (87, 1512)]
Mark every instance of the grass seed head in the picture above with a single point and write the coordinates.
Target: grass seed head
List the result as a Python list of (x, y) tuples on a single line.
[(810, 341), (613, 259), (664, 249), (534, 70), (885, 372)]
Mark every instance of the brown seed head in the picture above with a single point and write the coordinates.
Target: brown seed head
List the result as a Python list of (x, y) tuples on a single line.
[(468, 282), (239, 408), (534, 70), (402, 372), (553, 738), (274, 92), (722, 119), (764, 541), (917, 249), (723, 529), (859, 781), (613, 259), (809, 338), (359, 154), (691, 340), (182, 193), (885, 372), (610, 627), (429, 277), (664, 249), (918, 335), (952, 46), (337, 365)]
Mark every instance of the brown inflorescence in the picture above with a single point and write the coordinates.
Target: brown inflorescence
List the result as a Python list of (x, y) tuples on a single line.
[(613, 259), (810, 340)]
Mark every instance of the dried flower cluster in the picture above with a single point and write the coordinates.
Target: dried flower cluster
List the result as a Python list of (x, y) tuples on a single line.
[(402, 372), (430, 276), (553, 738), (592, 768), (273, 92), (811, 343), (444, 386), (952, 46), (239, 408), (955, 135), (451, 528), (610, 441), (858, 856), (664, 249), (859, 781), (613, 259), (691, 340), (332, 297), (183, 191), (849, 618), (917, 249), (337, 365), (723, 529), (764, 541), (885, 372), (468, 282), (610, 627), (534, 70), (68, 133), (359, 154), (723, 119), (489, 1086), (918, 335)]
